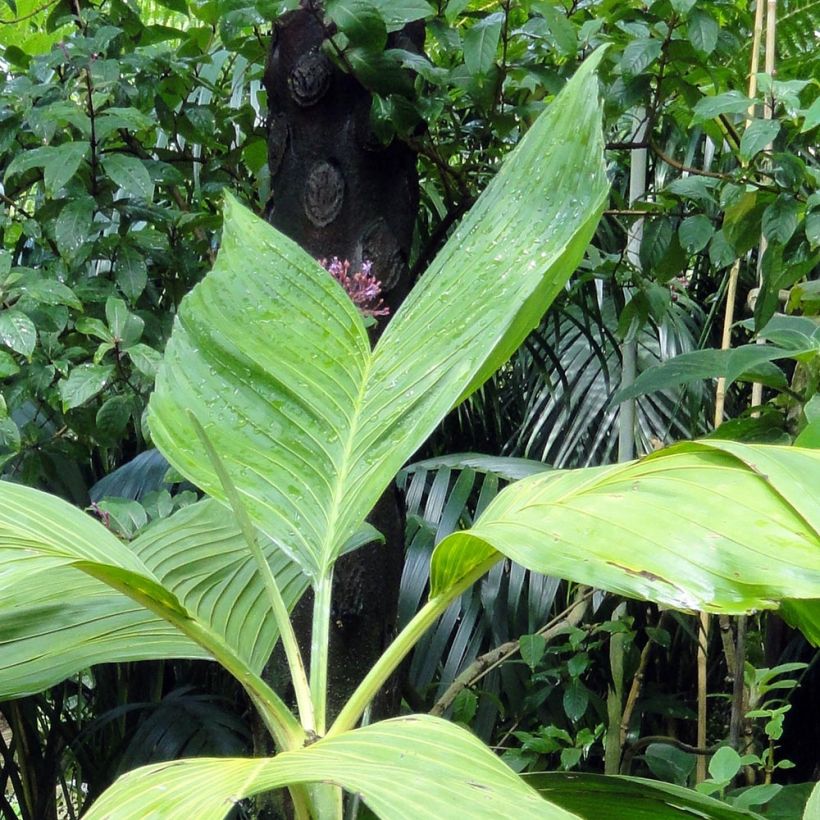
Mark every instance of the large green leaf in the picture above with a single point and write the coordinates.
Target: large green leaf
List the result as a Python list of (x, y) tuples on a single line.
[(57, 621), (193, 572), (593, 796), (805, 616), (718, 526), (271, 356), (404, 769)]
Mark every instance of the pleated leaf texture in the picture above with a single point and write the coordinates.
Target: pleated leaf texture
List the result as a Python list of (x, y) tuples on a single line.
[(404, 769), (72, 595), (272, 358), (711, 525)]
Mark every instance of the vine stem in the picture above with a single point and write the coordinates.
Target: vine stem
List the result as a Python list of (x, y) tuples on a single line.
[(403, 643)]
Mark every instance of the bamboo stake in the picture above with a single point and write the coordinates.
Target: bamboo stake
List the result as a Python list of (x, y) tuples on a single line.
[(720, 392), (768, 112)]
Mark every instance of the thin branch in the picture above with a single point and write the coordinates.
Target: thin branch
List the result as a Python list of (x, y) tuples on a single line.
[(485, 663), (637, 683), (23, 17)]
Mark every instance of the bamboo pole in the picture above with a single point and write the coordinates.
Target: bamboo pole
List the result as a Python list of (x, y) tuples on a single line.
[(720, 392), (768, 112)]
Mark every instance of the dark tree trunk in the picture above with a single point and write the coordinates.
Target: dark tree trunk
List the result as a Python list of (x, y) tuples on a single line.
[(338, 192)]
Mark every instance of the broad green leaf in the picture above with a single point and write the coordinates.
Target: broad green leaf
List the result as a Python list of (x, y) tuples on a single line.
[(575, 700), (724, 764), (532, 648), (404, 769), (758, 134), (73, 225), (561, 28), (721, 251), (131, 272), (639, 55), (8, 366), (26, 160), (83, 383), (480, 43), (780, 220), (56, 621), (62, 164), (813, 804), (114, 117), (695, 232), (617, 797), (50, 292), (17, 331), (731, 102), (360, 22), (717, 526), (199, 554), (130, 174), (706, 364), (94, 327), (126, 327), (812, 117), (273, 359), (145, 359), (113, 417), (703, 31), (193, 571), (397, 13), (9, 439)]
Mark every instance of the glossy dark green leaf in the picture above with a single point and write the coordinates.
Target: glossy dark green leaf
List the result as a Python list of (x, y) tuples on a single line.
[(130, 174), (126, 327), (131, 272), (730, 102), (63, 162), (73, 225), (758, 134), (639, 55), (397, 13), (112, 417), (707, 364), (695, 233), (703, 31), (360, 21), (83, 383), (780, 220), (480, 43), (17, 331), (561, 28)]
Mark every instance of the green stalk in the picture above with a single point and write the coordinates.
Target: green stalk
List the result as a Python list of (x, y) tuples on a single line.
[(396, 652), (319, 641), (279, 720), (280, 612)]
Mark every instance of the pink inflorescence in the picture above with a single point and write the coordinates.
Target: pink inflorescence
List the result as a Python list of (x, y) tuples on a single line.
[(362, 286)]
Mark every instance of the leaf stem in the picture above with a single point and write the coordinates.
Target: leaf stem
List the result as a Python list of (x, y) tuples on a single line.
[(403, 643), (278, 719), (319, 642), (280, 611)]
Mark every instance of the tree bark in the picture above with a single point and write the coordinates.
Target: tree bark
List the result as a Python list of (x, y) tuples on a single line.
[(338, 192)]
